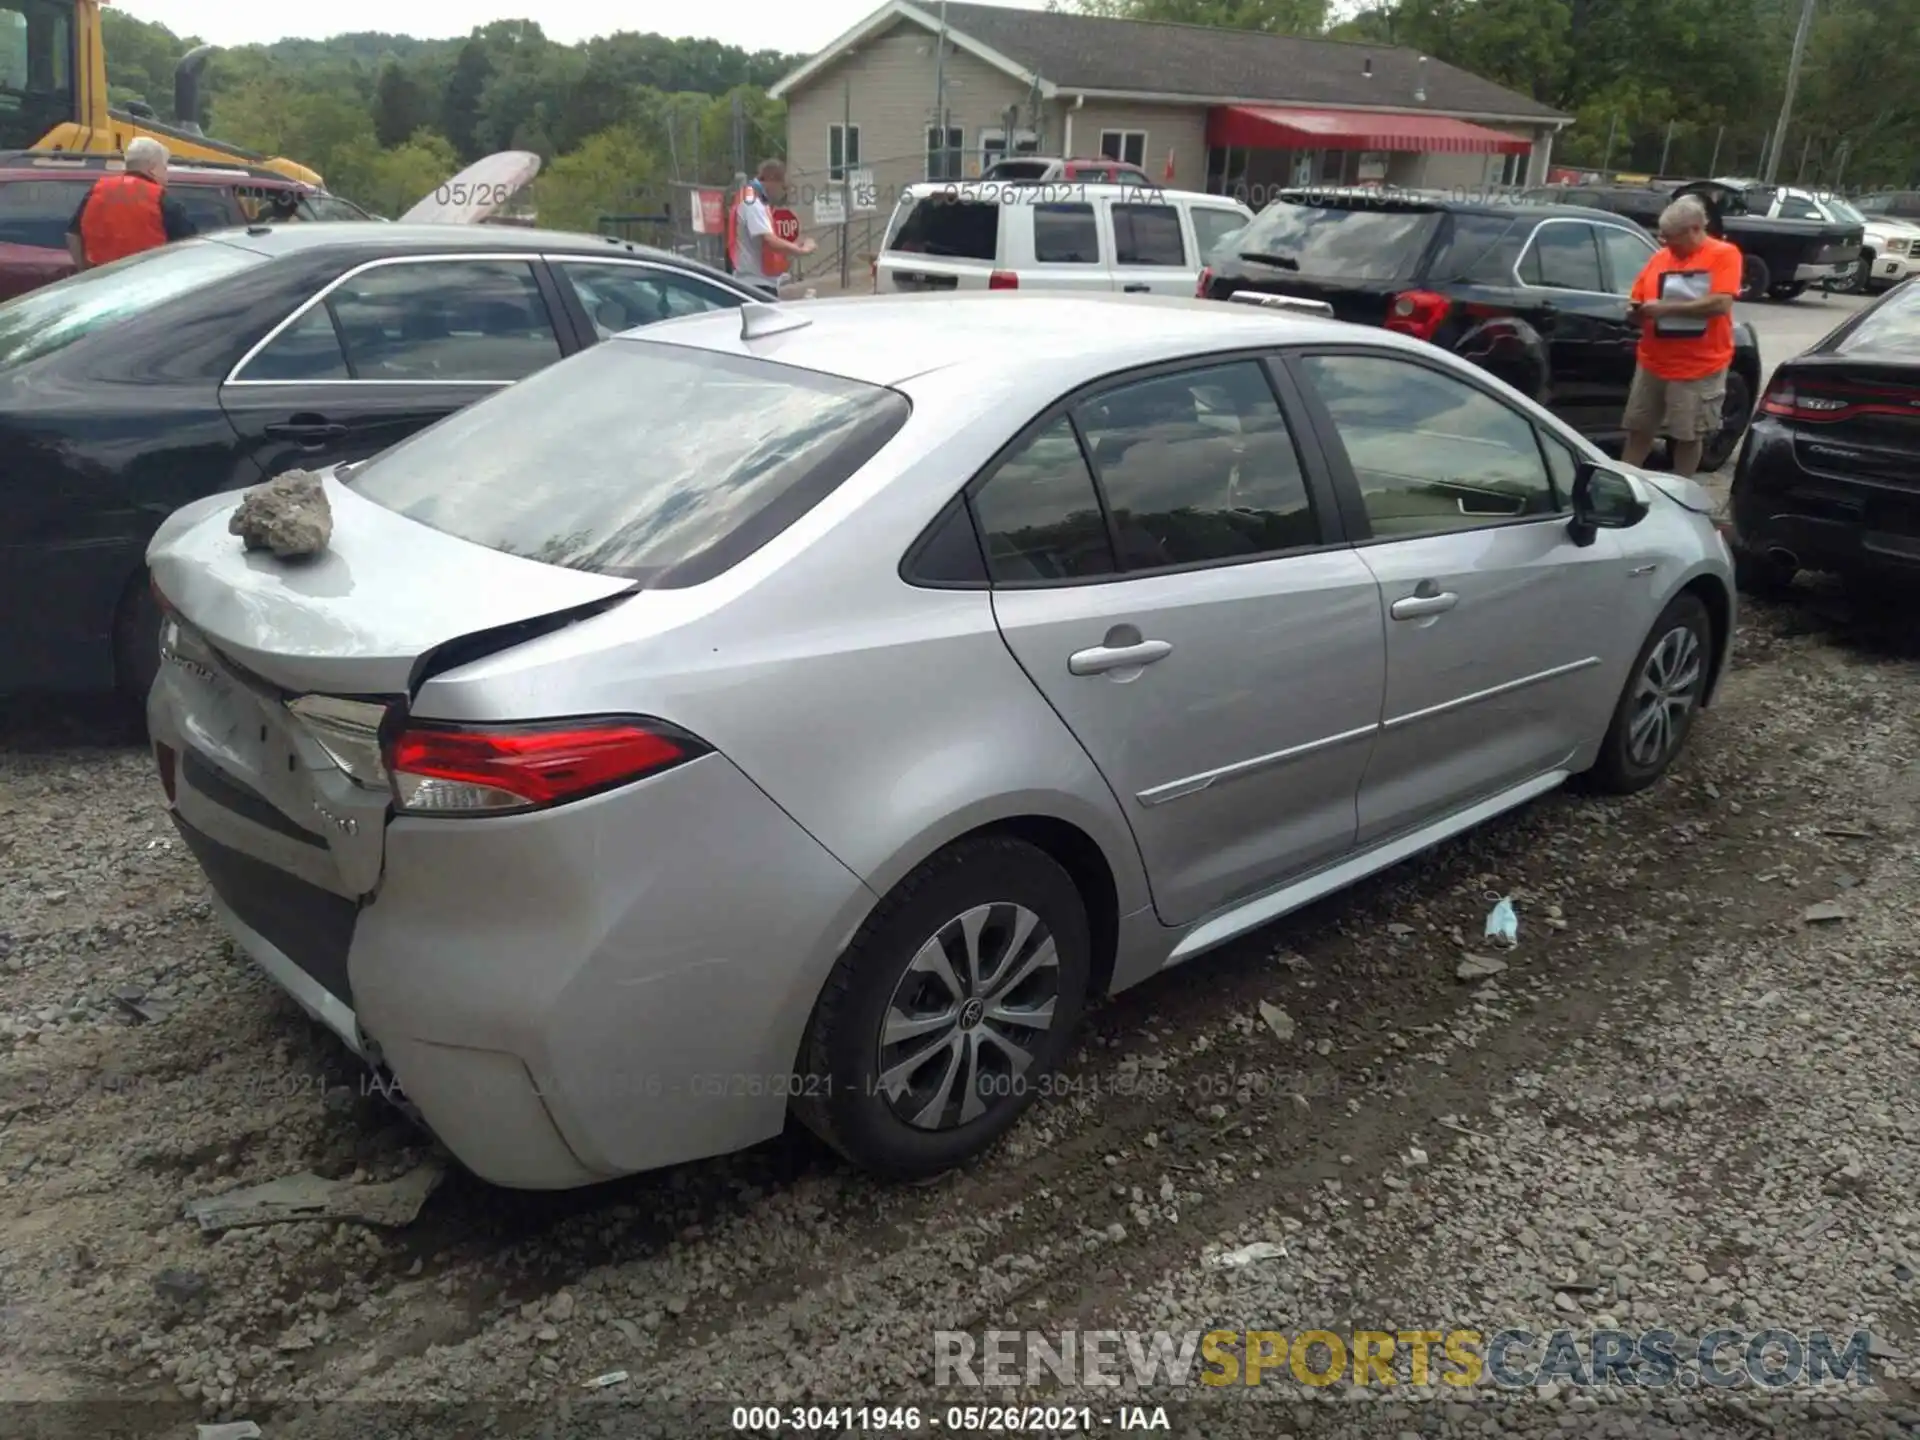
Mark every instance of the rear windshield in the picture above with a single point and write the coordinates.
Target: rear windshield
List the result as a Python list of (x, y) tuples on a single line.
[(941, 225), (646, 461), (56, 315), (1339, 242)]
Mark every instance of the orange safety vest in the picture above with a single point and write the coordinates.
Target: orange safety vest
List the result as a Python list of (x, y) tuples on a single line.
[(771, 261), (122, 218)]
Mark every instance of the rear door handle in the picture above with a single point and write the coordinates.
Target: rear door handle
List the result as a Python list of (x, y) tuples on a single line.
[(1414, 607), (307, 432), (1136, 289), (1102, 658)]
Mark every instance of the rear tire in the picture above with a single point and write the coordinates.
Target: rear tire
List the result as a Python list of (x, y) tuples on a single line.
[(1658, 704), (1756, 279), (949, 1084), (1762, 575), (136, 641)]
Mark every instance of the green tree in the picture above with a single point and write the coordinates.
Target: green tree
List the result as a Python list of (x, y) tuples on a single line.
[(1278, 17), (466, 89), (401, 104), (609, 174)]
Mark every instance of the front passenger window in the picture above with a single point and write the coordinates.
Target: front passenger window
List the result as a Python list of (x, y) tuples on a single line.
[(1430, 453)]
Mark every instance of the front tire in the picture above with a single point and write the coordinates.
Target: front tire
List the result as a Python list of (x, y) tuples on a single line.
[(1661, 698), (943, 1019), (1793, 290), (1756, 279)]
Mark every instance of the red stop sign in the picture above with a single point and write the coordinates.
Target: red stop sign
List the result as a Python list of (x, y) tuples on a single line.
[(786, 225)]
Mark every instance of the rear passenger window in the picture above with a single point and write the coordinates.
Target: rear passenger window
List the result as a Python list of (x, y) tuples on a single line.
[(1065, 235), (445, 320), (1198, 466), (1148, 235), (1039, 515), (308, 349), (1563, 256)]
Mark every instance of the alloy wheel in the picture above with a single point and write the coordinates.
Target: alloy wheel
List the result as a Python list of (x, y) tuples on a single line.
[(1668, 685), (960, 1032)]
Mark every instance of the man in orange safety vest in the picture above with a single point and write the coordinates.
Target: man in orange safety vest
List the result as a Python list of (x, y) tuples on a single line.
[(755, 254), (126, 212)]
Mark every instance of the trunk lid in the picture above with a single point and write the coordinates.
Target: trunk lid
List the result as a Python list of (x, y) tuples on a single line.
[(283, 674), (1852, 418), (361, 618), (1355, 252)]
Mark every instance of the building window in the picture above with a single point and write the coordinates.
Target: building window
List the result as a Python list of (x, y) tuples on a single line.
[(1127, 146), (1514, 171), (993, 145), (843, 150), (945, 150)]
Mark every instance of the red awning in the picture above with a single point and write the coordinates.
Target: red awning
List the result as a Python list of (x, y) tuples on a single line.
[(1272, 127)]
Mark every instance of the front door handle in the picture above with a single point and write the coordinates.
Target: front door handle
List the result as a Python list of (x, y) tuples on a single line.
[(1102, 658), (1136, 289), (1416, 607)]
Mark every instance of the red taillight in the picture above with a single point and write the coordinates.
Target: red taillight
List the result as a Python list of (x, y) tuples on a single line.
[(1418, 313), (1003, 280), (1789, 401), (164, 757), (1206, 279), (159, 596), (490, 769)]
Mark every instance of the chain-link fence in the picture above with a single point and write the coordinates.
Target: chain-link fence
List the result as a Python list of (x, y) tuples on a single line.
[(1684, 150)]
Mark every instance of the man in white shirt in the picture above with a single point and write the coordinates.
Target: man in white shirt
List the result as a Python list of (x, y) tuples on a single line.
[(750, 235)]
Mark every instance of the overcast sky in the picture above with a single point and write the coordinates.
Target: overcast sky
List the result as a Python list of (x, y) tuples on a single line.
[(798, 26)]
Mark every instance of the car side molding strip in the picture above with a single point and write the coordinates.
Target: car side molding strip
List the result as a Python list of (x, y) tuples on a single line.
[(1538, 677), (1262, 909), (1194, 784)]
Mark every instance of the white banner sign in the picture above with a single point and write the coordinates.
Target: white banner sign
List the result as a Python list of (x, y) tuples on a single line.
[(866, 195), (829, 209)]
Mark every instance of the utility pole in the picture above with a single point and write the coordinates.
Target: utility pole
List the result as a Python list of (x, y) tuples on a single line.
[(1793, 83), (846, 181), (940, 95), (1713, 165), (1666, 147), (1613, 123), (739, 136), (1841, 169), (1805, 149)]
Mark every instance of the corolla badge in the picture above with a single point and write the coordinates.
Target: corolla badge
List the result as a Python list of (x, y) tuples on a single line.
[(345, 824)]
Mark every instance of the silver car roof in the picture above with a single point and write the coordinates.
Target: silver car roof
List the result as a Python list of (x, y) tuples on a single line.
[(1062, 340)]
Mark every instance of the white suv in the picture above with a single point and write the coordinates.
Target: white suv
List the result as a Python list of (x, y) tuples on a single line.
[(1052, 235)]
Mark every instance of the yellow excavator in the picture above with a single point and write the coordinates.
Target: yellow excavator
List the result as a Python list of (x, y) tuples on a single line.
[(53, 92)]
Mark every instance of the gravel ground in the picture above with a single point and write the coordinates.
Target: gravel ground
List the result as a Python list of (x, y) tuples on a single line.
[(1681, 1104)]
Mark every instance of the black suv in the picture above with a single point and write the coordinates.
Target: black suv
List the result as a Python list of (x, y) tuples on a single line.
[(1535, 294)]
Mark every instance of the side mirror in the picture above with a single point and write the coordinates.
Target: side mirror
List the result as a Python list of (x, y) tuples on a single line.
[(1605, 500)]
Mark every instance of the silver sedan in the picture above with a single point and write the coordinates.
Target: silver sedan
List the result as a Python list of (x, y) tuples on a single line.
[(807, 709)]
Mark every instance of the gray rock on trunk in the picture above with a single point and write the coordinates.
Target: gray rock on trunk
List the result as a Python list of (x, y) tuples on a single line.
[(288, 515)]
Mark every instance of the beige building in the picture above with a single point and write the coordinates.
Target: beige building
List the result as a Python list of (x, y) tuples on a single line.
[(922, 91)]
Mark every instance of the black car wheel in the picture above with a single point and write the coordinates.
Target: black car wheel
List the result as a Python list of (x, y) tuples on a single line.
[(1791, 291), (1736, 410), (1764, 575), (1756, 279), (136, 640), (1662, 695), (944, 1018)]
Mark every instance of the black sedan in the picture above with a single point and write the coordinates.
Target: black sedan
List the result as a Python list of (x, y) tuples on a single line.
[(1535, 294), (219, 362), (1829, 476)]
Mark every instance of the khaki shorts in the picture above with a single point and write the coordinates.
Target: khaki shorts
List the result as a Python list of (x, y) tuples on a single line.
[(1681, 410)]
